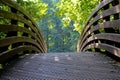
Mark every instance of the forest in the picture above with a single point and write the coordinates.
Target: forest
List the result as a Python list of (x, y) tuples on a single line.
[(60, 21)]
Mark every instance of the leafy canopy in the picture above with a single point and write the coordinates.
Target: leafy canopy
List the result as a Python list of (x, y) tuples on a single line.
[(35, 8), (58, 30), (76, 11)]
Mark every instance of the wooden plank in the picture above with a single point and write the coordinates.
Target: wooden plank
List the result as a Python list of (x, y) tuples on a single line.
[(10, 28), (7, 28), (35, 43), (14, 16), (104, 36), (108, 12), (112, 49), (20, 9), (108, 24), (13, 40), (9, 15), (10, 53), (100, 6)]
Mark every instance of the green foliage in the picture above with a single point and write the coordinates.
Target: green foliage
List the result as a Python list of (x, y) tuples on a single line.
[(1, 66), (2, 35), (58, 37), (35, 8), (76, 11), (60, 21)]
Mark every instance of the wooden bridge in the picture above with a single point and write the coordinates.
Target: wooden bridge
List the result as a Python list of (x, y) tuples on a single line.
[(98, 47)]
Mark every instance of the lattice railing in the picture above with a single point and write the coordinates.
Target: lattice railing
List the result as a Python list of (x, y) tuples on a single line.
[(102, 30), (18, 32)]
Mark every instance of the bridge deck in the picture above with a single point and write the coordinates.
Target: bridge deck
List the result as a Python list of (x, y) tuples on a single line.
[(62, 66)]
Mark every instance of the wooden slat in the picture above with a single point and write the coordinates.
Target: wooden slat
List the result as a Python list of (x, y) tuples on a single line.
[(104, 36), (9, 15), (14, 16), (10, 53), (105, 13), (108, 12), (31, 38), (9, 28), (20, 9), (13, 40), (102, 30), (112, 49), (108, 24), (101, 5)]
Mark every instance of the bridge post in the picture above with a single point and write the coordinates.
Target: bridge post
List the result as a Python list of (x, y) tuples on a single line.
[(9, 34), (13, 22), (26, 35)]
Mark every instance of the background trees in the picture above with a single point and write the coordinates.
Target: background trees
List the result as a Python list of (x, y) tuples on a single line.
[(59, 38), (76, 11), (35, 8), (60, 21)]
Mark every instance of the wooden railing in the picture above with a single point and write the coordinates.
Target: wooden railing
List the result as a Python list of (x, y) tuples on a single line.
[(102, 30), (18, 32)]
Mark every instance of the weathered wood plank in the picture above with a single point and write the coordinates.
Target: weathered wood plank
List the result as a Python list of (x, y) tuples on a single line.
[(112, 49), (9, 15), (14, 16), (108, 24), (102, 29), (10, 53), (21, 32), (104, 36), (100, 6), (13, 40), (10, 28), (20, 9), (105, 13)]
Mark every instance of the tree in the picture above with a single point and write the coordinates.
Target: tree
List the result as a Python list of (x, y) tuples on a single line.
[(60, 21), (58, 37), (36, 8), (76, 11)]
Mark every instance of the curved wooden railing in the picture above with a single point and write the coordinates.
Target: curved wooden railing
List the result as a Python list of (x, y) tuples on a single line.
[(102, 30), (18, 32)]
